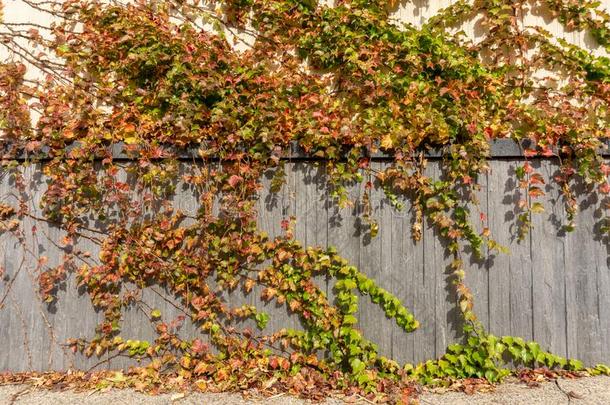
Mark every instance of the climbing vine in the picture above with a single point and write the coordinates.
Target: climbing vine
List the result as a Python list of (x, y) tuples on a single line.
[(341, 83)]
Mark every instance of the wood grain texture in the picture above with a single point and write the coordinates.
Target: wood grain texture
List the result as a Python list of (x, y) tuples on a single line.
[(585, 262), (502, 224), (548, 276)]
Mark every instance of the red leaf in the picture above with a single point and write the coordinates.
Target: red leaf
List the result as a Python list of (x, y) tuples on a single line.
[(472, 128), (273, 362), (530, 153), (32, 146), (535, 192), (199, 347), (488, 132), (536, 178), (235, 180)]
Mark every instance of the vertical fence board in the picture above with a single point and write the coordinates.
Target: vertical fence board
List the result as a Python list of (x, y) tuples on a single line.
[(500, 216), (548, 285), (477, 273), (273, 208), (426, 304), (375, 262), (344, 230), (407, 267), (584, 260)]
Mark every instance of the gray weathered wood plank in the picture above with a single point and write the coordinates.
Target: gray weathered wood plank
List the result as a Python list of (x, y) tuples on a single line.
[(407, 265), (585, 259), (509, 274), (376, 262), (548, 284)]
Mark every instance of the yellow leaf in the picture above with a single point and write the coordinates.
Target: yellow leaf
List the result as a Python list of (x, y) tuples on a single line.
[(537, 208), (201, 384), (386, 142), (464, 305), (118, 377), (130, 140), (249, 284), (201, 368)]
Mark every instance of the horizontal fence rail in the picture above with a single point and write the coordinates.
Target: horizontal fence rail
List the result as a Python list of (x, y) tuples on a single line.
[(498, 148), (553, 287)]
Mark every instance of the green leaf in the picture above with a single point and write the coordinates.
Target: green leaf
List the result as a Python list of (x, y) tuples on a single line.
[(63, 48), (261, 320), (349, 320), (575, 365), (357, 365), (537, 208)]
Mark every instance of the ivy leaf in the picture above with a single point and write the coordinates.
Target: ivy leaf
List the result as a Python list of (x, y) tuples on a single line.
[(130, 140), (387, 142), (357, 365), (234, 180), (537, 208), (261, 320)]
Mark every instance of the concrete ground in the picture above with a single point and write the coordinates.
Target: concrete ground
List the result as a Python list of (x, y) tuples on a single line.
[(589, 390)]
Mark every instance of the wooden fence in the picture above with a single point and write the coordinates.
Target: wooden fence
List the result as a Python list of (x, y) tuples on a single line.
[(552, 287)]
